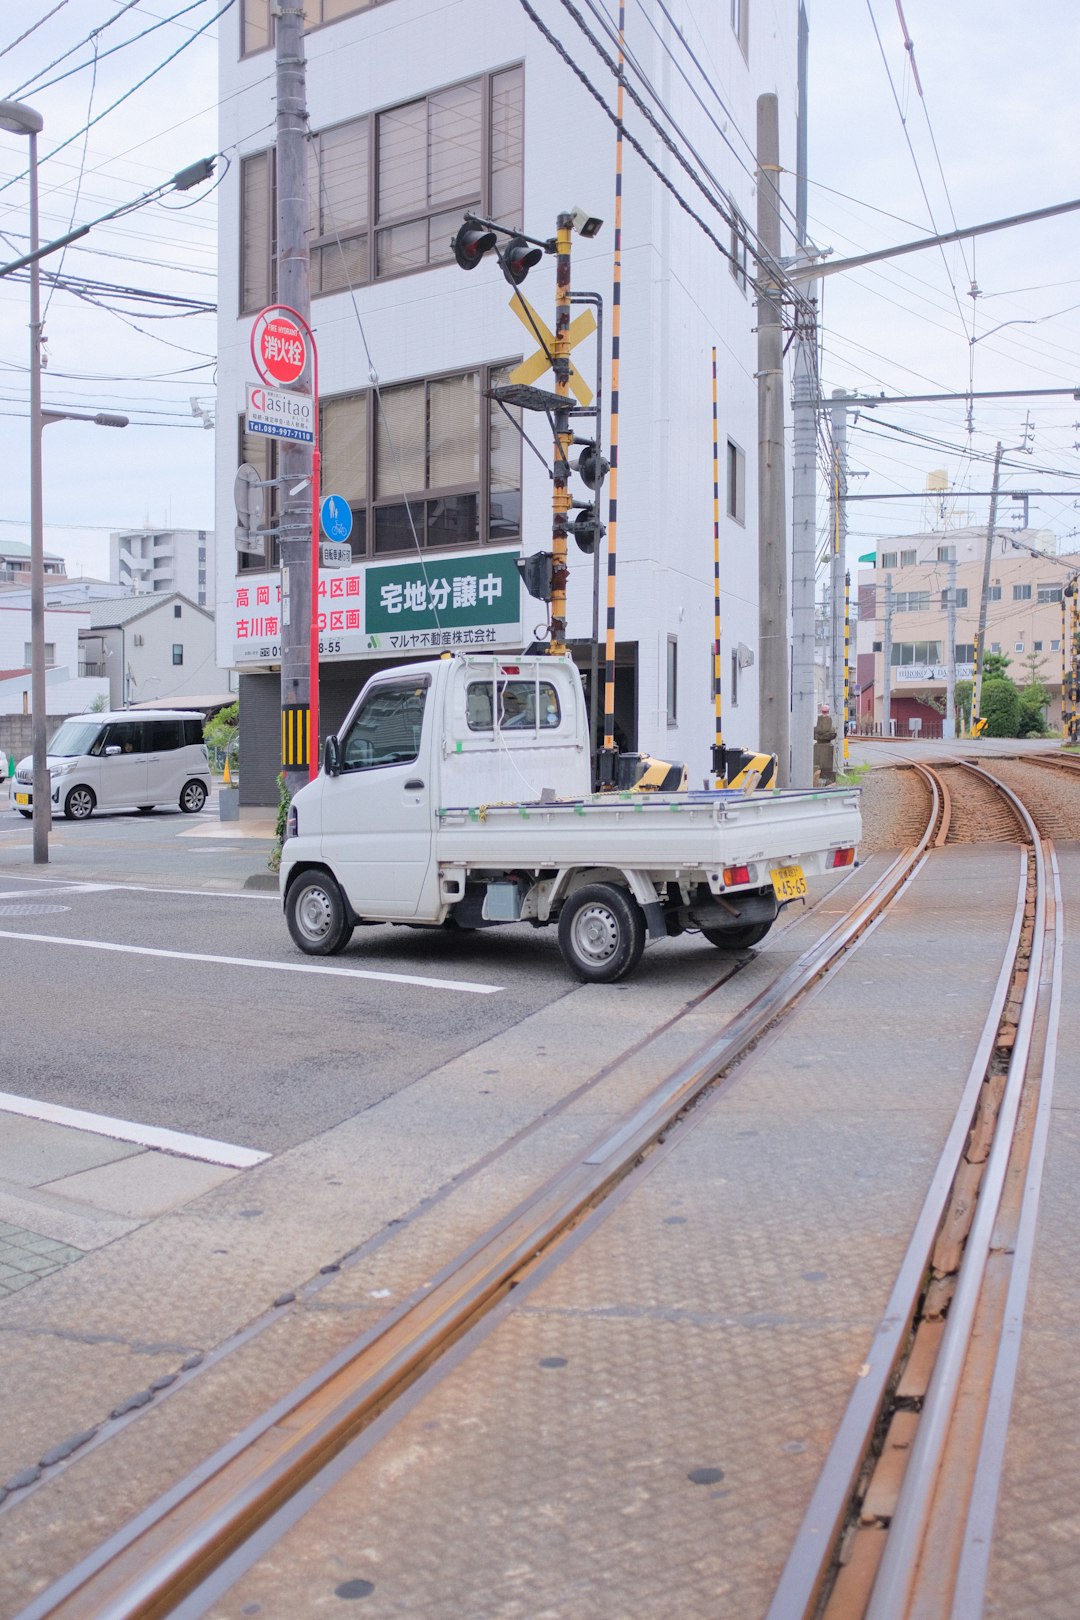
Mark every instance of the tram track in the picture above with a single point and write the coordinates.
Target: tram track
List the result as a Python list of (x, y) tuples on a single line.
[(900, 1523), (164, 1558)]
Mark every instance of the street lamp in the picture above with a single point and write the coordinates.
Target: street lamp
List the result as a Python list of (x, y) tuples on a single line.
[(18, 119)]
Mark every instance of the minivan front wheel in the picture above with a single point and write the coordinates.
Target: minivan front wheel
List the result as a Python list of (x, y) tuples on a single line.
[(79, 804), (315, 913), (192, 798)]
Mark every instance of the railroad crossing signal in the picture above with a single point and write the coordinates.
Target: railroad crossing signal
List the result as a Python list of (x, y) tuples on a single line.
[(535, 366)]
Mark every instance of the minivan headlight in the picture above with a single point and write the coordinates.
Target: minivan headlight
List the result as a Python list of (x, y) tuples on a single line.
[(64, 767)]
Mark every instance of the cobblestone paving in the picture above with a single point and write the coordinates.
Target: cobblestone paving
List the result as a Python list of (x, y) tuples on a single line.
[(25, 1256)]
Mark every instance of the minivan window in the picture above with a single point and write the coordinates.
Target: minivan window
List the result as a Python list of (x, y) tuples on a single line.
[(193, 731), (386, 730), (161, 736), (122, 734), (74, 737)]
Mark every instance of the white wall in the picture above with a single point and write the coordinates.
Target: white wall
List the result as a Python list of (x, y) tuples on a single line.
[(62, 626)]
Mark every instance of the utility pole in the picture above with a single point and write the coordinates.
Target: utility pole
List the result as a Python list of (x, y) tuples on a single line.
[(886, 662), (984, 597), (560, 493), (949, 728), (294, 460), (774, 687), (837, 570), (803, 554)]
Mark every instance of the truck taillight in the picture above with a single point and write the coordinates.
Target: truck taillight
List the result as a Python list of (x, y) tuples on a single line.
[(842, 857), (736, 874)]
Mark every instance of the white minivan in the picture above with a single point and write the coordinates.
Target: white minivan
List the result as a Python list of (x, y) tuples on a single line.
[(121, 761)]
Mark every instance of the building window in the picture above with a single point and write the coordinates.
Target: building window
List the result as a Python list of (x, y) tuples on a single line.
[(28, 653), (907, 559), (911, 602), (888, 559), (965, 652), (258, 29), (960, 595), (178, 652), (1055, 646), (915, 652), (177, 611), (672, 680), (946, 553), (993, 593), (1018, 646), (1021, 593), (1049, 593), (739, 251), (433, 464), (736, 483), (740, 24), (1038, 646), (995, 646), (387, 192)]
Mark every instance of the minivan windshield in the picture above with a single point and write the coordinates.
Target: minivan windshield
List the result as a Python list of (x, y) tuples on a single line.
[(74, 737)]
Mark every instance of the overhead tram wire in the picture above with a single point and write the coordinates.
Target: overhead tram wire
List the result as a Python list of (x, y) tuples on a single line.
[(94, 32), (33, 87), (35, 26), (790, 292)]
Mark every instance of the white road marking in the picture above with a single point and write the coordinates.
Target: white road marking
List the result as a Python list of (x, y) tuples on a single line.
[(126, 1130), (463, 985)]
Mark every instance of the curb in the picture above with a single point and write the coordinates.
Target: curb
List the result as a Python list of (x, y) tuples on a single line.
[(261, 880)]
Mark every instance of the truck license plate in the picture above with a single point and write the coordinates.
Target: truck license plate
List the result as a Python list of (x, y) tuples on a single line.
[(22, 798), (789, 882)]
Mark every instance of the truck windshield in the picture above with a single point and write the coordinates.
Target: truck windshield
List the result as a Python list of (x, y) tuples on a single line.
[(517, 706), (74, 737)]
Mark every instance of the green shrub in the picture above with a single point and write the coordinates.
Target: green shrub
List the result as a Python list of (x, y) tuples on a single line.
[(1001, 708)]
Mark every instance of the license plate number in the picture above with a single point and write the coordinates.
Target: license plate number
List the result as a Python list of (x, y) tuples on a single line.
[(789, 882), (22, 798)]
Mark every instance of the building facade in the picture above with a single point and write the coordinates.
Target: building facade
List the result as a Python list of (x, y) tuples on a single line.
[(417, 117), (903, 601), (159, 651), (160, 561)]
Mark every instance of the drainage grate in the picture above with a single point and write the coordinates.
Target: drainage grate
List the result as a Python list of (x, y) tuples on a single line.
[(29, 909)]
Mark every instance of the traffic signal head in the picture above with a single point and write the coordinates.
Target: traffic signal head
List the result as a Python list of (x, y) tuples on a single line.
[(592, 467), (518, 258), (587, 528), (471, 243), (535, 571)]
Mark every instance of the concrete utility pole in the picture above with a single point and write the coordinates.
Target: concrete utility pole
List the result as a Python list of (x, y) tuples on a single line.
[(984, 597), (886, 662), (837, 555), (294, 290), (774, 685), (803, 555), (949, 728)]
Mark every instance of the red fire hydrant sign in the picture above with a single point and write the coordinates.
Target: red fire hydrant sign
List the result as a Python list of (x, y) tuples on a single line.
[(278, 347)]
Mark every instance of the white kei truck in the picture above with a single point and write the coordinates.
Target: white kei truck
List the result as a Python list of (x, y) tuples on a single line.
[(458, 794)]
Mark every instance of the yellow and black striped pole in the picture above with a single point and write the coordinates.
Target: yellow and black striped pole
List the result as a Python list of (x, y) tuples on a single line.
[(295, 736), (607, 759), (718, 670), (560, 490), (847, 662)]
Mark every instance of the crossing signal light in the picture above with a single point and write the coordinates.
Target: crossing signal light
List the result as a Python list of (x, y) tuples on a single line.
[(592, 467), (587, 528), (518, 258), (471, 243), (535, 571)]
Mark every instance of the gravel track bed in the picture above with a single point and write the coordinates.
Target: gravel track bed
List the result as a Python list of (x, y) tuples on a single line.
[(895, 807), (979, 814), (1051, 795)]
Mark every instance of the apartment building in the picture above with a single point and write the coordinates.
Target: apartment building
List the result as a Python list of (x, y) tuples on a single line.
[(416, 117), (160, 561), (903, 592)]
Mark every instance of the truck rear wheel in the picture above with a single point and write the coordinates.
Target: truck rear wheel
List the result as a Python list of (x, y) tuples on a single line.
[(736, 939), (601, 933), (315, 913)]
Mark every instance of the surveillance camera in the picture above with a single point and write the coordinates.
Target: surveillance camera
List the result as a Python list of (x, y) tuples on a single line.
[(585, 224)]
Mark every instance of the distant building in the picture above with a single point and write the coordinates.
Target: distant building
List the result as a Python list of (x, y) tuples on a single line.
[(911, 576), (159, 650), (157, 562), (15, 564)]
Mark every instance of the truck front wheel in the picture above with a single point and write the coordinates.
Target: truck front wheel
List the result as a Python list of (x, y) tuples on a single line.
[(601, 933), (315, 913)]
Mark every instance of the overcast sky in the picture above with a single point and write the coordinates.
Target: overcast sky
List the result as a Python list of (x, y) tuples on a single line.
[(994, 133)]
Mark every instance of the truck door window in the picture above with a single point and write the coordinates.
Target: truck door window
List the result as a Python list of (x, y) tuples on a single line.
[(386, 728), (517, 706)]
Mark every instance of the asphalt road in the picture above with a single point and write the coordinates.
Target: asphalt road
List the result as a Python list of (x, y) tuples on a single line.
[(143, 981)]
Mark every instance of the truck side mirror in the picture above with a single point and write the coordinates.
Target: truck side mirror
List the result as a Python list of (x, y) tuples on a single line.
[(331, 757)]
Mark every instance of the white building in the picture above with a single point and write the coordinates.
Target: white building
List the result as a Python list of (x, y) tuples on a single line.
[(157, 651), (70, 689), (418, 116), (160, 561)]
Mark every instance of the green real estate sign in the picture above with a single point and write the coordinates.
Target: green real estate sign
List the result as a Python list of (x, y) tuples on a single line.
[(443, 602)]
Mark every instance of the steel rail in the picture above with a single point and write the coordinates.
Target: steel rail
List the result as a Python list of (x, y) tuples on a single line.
[(804, 1575), (152, 1563), (896, 1574)]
